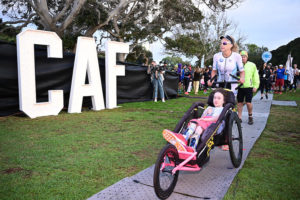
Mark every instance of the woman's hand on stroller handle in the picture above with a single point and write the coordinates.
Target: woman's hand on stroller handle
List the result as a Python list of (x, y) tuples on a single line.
[(227, 82)]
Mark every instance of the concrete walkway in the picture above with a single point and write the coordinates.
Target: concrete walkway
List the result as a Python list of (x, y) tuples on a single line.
[(284, 103), (212, 182)]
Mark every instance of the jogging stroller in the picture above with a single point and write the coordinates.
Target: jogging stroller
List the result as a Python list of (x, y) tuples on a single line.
[(225, 131)]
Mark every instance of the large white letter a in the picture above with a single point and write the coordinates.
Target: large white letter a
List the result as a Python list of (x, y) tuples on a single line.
[(86, 60)]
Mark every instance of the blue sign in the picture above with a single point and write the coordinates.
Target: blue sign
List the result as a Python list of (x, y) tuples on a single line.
[(266, 56)]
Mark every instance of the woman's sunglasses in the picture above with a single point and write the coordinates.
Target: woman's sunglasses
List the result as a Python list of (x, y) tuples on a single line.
[(225, 43)]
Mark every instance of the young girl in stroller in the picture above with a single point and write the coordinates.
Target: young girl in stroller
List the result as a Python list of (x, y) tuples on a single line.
[(197, 126)]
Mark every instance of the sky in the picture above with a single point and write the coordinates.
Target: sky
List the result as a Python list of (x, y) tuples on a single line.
[(268, 23)]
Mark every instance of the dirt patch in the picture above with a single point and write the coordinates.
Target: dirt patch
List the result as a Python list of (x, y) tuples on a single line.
[(142, 154), (260, 155), (12, 170), (289, 134), (290, 137), (100, 145), (26, 173), (137, 109), (131, 170), (129, 120)]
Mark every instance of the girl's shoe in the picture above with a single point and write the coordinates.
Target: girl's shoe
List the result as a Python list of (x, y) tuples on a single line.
[(155, 100), (176, 139)]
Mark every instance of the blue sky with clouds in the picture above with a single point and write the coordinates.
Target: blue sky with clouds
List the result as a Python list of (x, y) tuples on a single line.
[(269, 23)]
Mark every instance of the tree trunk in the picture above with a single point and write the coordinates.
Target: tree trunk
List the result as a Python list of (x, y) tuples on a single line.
[(121, 56)]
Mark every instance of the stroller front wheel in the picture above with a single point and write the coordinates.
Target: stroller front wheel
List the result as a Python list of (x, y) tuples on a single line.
[(164, 181)]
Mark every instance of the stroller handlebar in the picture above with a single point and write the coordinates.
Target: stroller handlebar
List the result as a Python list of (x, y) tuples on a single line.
[(227, 82)]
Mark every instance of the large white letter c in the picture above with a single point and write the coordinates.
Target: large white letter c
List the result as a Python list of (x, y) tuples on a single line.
[(26, 72)]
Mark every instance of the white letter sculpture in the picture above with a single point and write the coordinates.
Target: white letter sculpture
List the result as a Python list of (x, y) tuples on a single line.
[(26, 73), (112, 70), (86, 60)]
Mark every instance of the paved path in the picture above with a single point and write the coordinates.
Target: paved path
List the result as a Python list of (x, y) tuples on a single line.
[(284, 103), (212, 182)]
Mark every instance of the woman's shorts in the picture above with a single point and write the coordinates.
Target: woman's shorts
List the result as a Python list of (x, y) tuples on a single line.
[(245, 94)]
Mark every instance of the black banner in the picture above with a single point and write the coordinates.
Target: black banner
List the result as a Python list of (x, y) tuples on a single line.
[(56, 74)]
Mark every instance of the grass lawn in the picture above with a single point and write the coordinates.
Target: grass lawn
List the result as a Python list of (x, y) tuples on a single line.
[(73, 156), (272, 170)]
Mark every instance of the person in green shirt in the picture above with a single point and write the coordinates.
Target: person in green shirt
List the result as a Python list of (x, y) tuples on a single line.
[(245, 92)]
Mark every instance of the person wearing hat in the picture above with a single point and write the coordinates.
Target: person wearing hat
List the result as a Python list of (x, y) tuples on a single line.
[(245, 92), (227, 62), (279, 79)]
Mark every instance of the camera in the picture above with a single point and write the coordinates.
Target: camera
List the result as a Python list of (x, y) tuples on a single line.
[(157, 68)]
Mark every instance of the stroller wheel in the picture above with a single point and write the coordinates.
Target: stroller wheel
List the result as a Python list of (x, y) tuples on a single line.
[(164, 181), (235, 140)]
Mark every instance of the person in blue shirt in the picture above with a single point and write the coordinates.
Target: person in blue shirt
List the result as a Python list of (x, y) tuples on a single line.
[(280, 79)]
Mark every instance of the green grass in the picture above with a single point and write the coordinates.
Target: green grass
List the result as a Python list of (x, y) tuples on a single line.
[(272, 170), (288, 96), (73, 156)]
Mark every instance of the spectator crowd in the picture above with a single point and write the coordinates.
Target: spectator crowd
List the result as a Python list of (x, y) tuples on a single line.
[(273, 78)]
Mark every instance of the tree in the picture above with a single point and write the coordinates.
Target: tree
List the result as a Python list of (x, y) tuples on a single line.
[(62, 16), (172, 60), (131, 21), (140, 55), (204, 39), (219, 5), (9, 32), (51, 15), (279, 55), (149, 20), (254, 54)]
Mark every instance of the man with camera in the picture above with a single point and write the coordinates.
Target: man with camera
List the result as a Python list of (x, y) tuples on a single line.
[(157, 79)]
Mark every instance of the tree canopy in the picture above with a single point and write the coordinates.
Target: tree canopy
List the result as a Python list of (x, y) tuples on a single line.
[(279, 55), (254, 54), (133, 21), (140, 55), (203, 39)]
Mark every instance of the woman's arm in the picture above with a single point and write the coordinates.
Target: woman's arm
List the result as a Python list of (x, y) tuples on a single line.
[(213, 73)]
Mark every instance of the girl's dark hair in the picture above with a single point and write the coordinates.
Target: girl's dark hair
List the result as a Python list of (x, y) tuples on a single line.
[(222, 91), (225, 93)]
